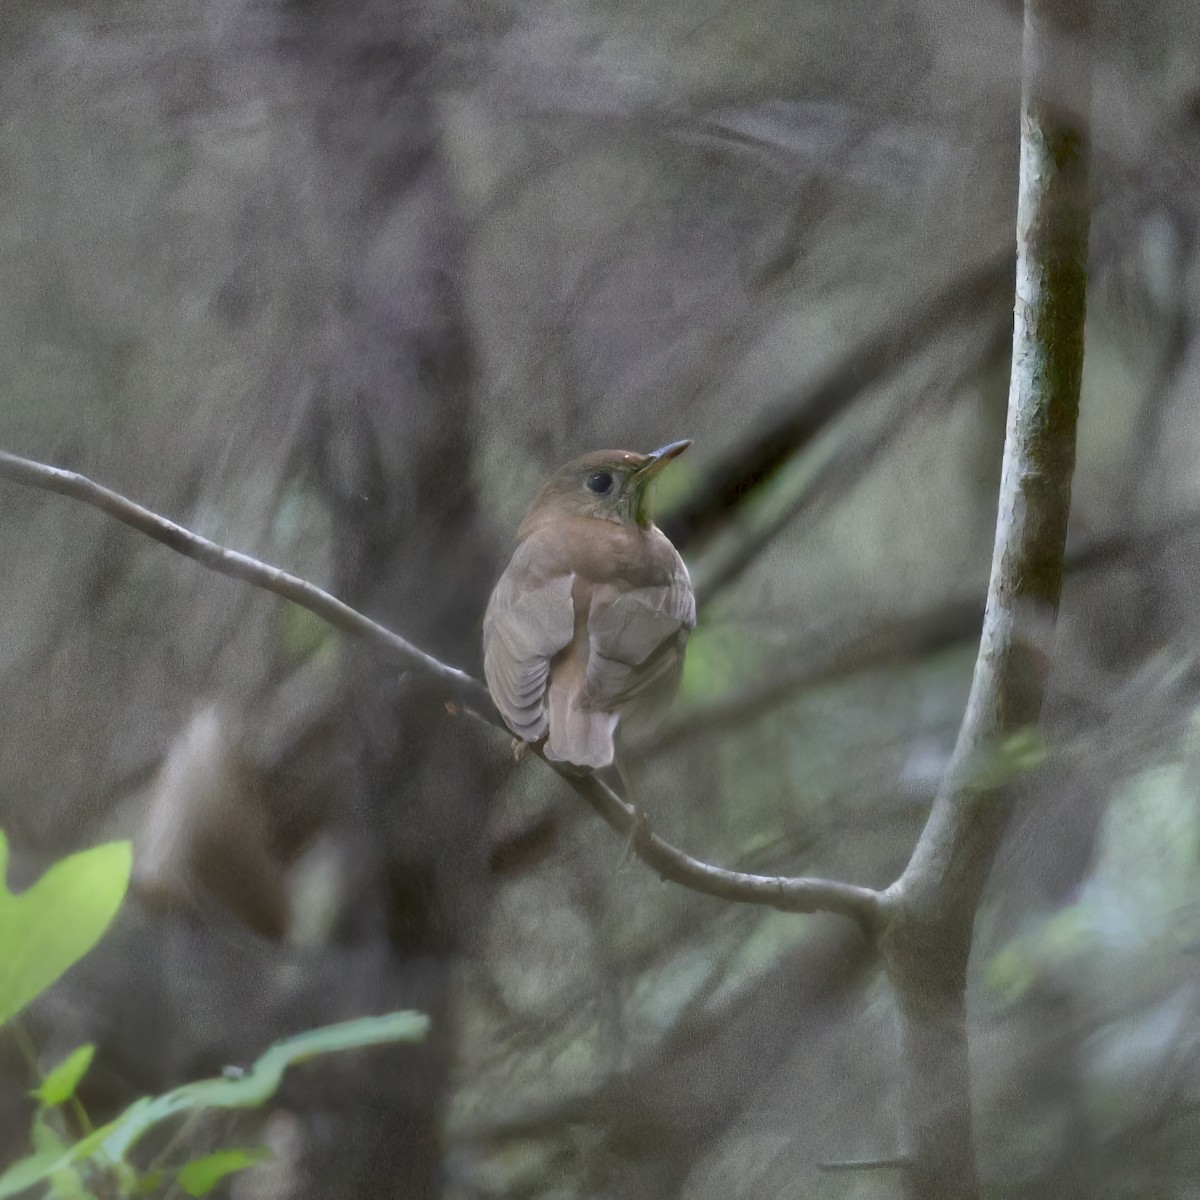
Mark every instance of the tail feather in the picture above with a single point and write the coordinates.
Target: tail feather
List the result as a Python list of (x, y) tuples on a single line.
[(579, 735)]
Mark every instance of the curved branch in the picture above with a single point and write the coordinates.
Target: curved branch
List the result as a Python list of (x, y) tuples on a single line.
[(242, 567), (791, 894), (795, 893)]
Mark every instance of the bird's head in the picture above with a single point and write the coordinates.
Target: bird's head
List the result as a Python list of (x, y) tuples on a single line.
[(611, 485)]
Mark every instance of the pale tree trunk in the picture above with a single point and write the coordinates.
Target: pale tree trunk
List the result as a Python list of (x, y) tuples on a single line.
[(925, 933)]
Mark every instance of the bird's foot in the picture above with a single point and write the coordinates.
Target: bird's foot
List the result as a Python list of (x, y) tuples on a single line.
[(520, 750)]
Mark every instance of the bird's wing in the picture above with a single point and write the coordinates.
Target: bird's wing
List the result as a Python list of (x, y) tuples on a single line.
[(637, 637), (525, 626)]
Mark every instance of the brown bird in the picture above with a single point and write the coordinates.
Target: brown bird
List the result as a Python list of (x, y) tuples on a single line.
[(586, 629)]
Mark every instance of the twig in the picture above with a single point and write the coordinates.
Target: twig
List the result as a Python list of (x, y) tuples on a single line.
[(866, 1164), (790, 894), (786, 893), (241, 566)]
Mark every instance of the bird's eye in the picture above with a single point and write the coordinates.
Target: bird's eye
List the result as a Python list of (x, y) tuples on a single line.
[(600, 483)]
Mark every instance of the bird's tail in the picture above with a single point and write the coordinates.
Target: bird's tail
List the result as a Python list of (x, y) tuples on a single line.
[(579, 735)]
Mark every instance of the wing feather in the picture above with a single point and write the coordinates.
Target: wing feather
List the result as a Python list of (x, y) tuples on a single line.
[(524, 628), (637, 639)]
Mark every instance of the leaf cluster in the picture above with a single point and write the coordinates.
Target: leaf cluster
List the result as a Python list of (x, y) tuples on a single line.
[(44, 931)]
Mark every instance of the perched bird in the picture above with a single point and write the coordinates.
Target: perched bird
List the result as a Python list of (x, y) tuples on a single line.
[(586, 629)]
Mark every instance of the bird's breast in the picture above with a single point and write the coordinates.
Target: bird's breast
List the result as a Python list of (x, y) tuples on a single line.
[(599, 551)]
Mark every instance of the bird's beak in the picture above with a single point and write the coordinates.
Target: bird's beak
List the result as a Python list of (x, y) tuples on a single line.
[(657, 459)]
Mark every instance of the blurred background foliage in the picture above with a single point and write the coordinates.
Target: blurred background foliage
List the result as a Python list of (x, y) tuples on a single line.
[(338, 284)]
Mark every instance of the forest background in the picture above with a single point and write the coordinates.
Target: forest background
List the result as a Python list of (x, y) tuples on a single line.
[(338, 284)]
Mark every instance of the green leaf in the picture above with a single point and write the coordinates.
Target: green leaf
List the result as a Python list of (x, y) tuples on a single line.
[(45, 1163), (200, 1176), (61, 1082), (50, 926), (25, 1172), (44, 1137), (66, 1185), (259, 1083), (110, 1143)]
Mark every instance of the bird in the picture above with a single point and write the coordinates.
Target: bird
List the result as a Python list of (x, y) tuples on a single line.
[(585, 632)]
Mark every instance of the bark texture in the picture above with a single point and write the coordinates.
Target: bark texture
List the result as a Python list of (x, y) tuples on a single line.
[(926, 937)]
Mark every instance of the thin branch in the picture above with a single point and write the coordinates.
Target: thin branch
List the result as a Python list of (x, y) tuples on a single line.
[(242, 567), (786, 893), (866, 1164), (789, 894)]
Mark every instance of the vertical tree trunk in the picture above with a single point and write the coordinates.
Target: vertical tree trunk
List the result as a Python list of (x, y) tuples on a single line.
[(926, 935), (392, 452)]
